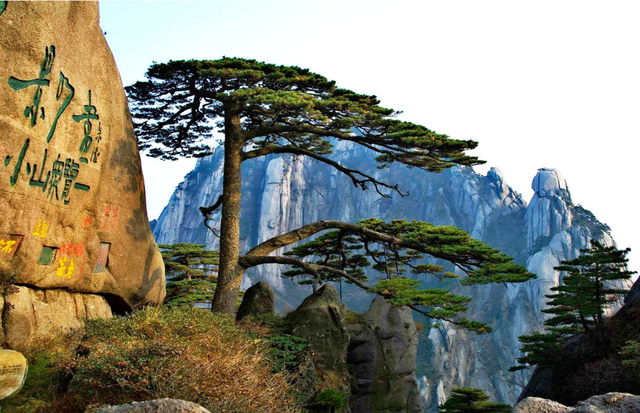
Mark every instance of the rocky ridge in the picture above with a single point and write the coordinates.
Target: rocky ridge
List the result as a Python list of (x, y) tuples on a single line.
[(281, 193)]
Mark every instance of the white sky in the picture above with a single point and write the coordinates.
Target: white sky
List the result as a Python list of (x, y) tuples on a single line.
[(537, 84)]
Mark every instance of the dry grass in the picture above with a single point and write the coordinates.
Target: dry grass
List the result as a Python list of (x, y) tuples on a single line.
[(183, 353)]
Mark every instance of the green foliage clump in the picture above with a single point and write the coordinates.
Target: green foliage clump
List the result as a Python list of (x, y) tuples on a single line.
[(287, 351), (182, 260), (578, 305), (330, 398), (395, 250), (630, 354), (470, 400), (188, 292)]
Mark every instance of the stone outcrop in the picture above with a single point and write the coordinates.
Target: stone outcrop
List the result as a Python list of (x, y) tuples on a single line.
[(281, 193), (258, 299), (320, 320), (382, 352), (73, 201), (155, 406), (606, 403), (32, 314)]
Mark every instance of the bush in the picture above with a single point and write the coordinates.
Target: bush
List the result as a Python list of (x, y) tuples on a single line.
[(183, 353), (287, 351), (330, 398)]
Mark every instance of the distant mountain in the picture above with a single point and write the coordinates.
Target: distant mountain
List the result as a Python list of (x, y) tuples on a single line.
[(281, 193)]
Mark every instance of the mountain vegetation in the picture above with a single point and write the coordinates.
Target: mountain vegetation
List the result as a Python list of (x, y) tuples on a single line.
[(180, 352), (579, 304), (469, 400), (186, 260)]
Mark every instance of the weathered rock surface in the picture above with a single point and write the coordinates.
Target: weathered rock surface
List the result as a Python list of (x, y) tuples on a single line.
[(281, 193), (73, 200), (606, 403), (33, 314), (155, 406), (320, 320), (382, 351), (258, 299), (538, 405)]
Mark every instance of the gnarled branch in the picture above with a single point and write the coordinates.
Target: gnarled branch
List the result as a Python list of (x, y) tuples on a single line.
[(359, 179)]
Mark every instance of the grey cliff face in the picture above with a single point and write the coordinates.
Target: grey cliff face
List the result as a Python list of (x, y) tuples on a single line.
[(281, 193)]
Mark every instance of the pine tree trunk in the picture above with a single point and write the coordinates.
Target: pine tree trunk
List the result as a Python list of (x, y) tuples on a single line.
[(230, 273)]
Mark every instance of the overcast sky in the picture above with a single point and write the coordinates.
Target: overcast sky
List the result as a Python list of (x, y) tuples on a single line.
[(538, 84)]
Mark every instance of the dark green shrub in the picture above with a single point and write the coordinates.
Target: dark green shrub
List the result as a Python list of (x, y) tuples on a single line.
[(287, 351), (330, 398)]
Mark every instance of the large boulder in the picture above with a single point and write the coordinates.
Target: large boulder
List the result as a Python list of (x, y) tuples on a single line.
[(30, 314), (73, 204), (258, 299), (155, 406), (606, 403), (382, 351), (320, 320)]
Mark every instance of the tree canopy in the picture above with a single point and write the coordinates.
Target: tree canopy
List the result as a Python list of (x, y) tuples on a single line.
[(470, 400), (265, 109), (281, 109)]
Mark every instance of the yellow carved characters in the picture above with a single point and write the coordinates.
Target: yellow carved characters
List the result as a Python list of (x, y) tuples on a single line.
[(70, 255), (65, 268), (41, 228), (7, 246)]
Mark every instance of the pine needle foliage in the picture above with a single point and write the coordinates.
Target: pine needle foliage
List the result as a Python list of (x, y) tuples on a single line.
[(182, 260), (395, 251), (183, 102), (470, 400)]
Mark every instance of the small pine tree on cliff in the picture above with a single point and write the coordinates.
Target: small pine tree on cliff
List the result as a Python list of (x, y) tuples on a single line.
[(265, 109), (579, 303)]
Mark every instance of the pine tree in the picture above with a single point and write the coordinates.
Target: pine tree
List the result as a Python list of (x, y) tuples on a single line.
[(183, 260), (265, 109), (579, 304), (470, 400)]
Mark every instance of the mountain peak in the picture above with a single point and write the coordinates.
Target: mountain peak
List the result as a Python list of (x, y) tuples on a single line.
[(549, 182)]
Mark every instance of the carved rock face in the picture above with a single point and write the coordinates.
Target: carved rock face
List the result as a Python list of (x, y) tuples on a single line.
[(73, 203)]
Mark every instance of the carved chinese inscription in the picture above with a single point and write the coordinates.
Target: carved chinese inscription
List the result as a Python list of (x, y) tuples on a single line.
[(57, 174), (9, 244), (109, 219)]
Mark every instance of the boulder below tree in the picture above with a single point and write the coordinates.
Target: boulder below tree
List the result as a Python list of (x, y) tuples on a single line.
[(382, 351), (74, 233), (320, 320), (258, 299)]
